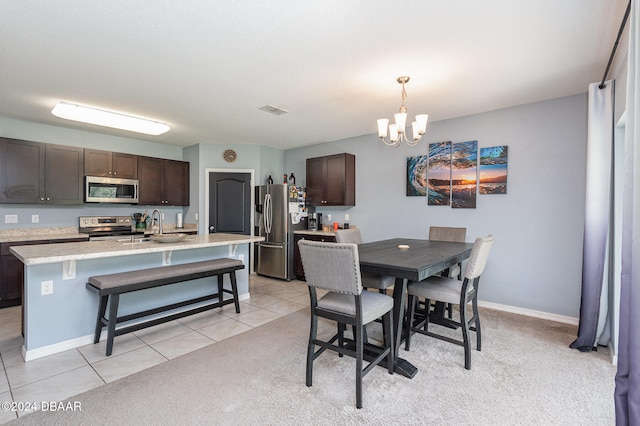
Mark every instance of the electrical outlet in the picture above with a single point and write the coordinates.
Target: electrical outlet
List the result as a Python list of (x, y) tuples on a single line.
[(346, 217), (35, 218), (10, 218), (196, 216), (46, 287), (329, 217)]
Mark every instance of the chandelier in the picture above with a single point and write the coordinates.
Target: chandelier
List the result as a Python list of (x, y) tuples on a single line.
[(397, 132)]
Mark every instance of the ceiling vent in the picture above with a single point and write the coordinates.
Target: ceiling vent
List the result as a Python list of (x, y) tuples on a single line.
[(273, 110)]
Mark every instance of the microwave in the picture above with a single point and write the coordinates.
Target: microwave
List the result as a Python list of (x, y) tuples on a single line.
[(110, 190)]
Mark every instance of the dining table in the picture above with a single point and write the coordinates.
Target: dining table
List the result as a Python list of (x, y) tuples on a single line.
[(408, 260)]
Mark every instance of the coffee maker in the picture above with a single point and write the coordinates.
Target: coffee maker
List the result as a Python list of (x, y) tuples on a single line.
[(315, 221)]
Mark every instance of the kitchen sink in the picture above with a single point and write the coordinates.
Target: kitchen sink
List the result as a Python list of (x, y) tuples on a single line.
[(141, 240), (159, 238)]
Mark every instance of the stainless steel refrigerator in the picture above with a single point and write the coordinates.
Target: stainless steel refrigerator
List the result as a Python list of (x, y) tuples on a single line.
[(274, 221)]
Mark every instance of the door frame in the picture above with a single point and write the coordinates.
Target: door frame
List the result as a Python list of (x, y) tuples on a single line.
[(252, 172)]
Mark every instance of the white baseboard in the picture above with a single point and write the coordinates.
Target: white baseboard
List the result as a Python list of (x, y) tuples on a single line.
[(56, 348), (529, 312)]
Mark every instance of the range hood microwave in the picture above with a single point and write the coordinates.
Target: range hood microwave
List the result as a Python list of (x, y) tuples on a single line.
[(110, 190)]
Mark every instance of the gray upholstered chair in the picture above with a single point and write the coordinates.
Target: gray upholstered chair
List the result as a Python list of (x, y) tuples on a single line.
[(447, 233), (336, 267), (381, 283), (444, 233), (451, 290)]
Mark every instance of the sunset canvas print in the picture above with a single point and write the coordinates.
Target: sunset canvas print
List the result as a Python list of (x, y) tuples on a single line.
[(493, 169), (464, 171), (439, 174)]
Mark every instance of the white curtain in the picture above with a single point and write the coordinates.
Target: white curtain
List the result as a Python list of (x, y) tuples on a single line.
[(595, 275), (627, 393)]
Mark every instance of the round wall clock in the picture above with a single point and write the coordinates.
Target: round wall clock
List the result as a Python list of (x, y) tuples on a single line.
[(229, 156)]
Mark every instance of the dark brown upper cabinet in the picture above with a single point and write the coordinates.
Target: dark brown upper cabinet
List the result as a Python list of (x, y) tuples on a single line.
[(331, 180), (38, 173), (163, 182), (110, 164)]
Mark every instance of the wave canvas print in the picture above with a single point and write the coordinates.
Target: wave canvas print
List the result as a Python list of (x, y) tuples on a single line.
[(493, 169), (464, 172), (439, 174), (417, 176)]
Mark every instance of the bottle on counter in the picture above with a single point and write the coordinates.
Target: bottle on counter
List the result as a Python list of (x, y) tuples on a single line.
[(292, 180), (269, 180), (285, 179)]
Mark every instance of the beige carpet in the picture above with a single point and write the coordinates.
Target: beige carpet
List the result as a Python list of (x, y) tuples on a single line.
[(525, 375)]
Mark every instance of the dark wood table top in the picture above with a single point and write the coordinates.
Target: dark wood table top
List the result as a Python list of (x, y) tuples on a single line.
[(422, 259), (419, 261)]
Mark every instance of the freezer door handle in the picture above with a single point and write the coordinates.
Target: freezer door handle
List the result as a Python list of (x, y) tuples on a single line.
[(278, 246)]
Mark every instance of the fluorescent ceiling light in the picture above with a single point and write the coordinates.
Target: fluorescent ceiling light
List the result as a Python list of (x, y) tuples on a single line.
[(103, 117)]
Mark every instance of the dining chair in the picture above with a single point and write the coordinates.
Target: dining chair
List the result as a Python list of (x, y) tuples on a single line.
[(335, 267), (448, 233), (454, 291), (381, 283)]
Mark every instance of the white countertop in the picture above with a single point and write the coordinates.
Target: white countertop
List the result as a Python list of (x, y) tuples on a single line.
[(69, 233), (54, 253), (37, 234)]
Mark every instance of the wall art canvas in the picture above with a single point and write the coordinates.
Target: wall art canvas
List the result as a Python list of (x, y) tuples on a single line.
[(464, 172), (417, 176), (493, 170), (439, 174)]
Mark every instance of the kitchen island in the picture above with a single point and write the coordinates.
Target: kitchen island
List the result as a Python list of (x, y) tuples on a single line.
[(59, 311)]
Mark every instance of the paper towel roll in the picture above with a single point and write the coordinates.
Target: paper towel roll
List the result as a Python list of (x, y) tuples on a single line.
[(179, 220)]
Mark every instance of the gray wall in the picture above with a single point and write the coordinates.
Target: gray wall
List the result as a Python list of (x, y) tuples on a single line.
[(536, 260), (263, 160)]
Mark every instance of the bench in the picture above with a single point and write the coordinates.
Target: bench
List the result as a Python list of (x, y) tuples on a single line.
[(110, 287)]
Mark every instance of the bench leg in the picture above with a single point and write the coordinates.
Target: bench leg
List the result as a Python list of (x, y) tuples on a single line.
[(113, 319), (234, 289), (101, 310), (220, 289)]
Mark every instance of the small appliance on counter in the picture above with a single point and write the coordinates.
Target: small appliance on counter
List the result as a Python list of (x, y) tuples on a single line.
[(315, 221)]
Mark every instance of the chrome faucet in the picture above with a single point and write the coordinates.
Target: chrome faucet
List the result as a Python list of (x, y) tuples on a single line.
[(153, 220)]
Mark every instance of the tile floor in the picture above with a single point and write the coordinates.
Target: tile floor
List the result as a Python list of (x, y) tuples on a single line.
[(63, 375)]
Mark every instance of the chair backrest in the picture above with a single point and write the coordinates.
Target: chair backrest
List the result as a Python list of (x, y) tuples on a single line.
[(444, 233), (478, 258), (331, 266), (351, 235)]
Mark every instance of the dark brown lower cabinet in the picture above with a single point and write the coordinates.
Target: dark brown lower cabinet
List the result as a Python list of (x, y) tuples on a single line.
[(12, 271), (297, 261)]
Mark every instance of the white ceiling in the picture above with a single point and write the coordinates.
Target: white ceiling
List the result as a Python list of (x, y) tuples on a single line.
[(205, 67)]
